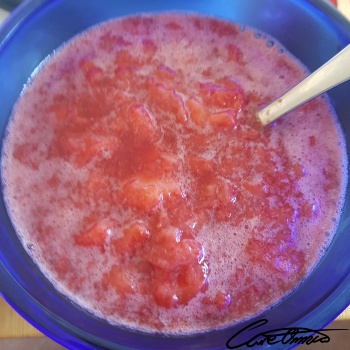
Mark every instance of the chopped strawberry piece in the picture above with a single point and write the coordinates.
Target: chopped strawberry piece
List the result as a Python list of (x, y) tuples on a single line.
[(165, 75), (81, 149), (221, 119), (178, 265), (222, 300), (173, 26), (190, 281), (110, 41), (119, 279), (331, 177), (197, 112), (253, 188), (62, 266), (200, 116), (91, 72), (298, 171), (312, 141), (234, 54), (222, 28), (133, 238), (216, 195), (144, 194), (95, 235), (164, 295), (141, 123), (125, 77), (310, 210), (24, 152), (167, 101), (175, 252), (124, 58), (149, 47), (200, 166), (60, 111), (223, 97), (53, 181)]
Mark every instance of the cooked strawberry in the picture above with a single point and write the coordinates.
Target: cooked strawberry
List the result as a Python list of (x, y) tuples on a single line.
[(91, 72), (124, 58), (223, 97), (220, 301), (110, 41), (254, 189), (298, 170), (167, 101), (235, 54), (95, 235), (165, 75), (312, 141), (164, 294), (179, 268), (83, 148), (133, 238), (191, 279), (119, 279), (149, 48), (125, 77), (200, 166), (141, 123), (197, 112), (222, 118), (144, 194), (24, 152)]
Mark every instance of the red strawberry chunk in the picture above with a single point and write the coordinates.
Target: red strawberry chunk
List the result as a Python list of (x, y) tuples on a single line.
[(235, 54), (222, 118), (96, 235), (221, 300), (254, 189), (149, 48), (222, 97), (141, 123), (200, 166), (312, 141), (144, 194), (119, 279), (125, 77), (124, 58), (81, 149), (164, 74), (197, 111), (91, 72), (164, 295), (133, 238), (167, 101), (110, 41), (179, 268)]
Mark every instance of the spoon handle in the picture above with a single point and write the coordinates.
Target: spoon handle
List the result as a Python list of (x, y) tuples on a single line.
[(332, 73)]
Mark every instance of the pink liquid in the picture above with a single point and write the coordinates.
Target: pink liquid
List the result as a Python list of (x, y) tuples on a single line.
[(253, 209)]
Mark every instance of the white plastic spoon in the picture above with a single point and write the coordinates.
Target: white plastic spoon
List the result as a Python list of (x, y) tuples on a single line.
[(332, 73)]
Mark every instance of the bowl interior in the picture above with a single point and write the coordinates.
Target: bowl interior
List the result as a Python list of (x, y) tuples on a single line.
[(311, 30)]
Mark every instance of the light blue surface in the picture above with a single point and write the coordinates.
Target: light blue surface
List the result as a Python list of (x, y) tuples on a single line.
[(311, 30)]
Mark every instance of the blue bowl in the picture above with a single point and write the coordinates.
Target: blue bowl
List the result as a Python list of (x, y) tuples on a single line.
[(312, 30)]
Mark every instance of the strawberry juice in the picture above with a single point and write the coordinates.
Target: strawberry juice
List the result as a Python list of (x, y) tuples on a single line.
[(142, 184)]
